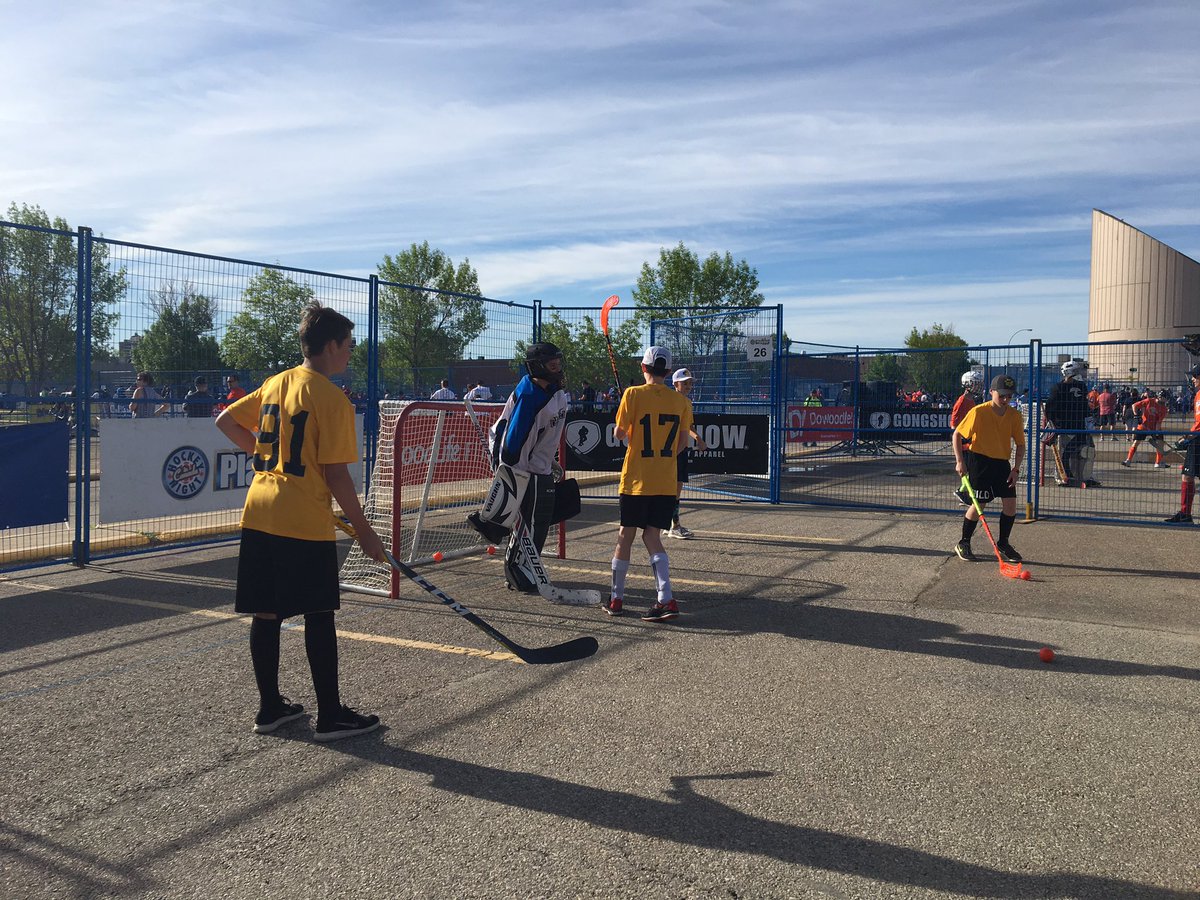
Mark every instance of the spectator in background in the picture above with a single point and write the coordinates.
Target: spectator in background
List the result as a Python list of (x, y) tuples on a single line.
[(143, 403), (479, 393), (234, 391), (198, 404), (813, 399), (1125, 401), (1106, 405), (587, 396), (443, 392)]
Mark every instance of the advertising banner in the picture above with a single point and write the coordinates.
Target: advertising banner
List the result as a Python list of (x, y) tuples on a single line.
[(33, 474), (736, 444), (819, 423), (903, 424), (163, 467)]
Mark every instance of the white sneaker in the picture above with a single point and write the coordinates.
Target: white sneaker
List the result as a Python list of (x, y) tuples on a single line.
[(1161, 466), (673, 532)]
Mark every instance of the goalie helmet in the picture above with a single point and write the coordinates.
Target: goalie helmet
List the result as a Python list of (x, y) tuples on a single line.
[(538, 358), (972, 380), (1074, 367)]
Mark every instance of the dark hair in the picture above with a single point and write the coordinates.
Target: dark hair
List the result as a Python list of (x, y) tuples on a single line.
[(146, 377), (319, 325)]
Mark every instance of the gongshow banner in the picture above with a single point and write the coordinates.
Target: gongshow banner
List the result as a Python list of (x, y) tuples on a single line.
[(33, 474), (737, 445)]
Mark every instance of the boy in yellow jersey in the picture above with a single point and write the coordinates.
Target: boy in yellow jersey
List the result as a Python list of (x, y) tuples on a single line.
[(299, 427), (656, 421), (993, 430)]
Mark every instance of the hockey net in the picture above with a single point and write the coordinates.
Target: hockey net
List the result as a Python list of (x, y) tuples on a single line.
[(430, 472)]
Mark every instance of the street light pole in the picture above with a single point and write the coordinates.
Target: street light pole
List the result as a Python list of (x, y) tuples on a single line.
[(1010, 340), (1015, 333)]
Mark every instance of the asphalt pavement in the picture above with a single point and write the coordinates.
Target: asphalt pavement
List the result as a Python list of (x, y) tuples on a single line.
[(844, 709)]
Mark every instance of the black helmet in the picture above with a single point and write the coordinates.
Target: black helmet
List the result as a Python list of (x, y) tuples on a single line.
[(538, 357)]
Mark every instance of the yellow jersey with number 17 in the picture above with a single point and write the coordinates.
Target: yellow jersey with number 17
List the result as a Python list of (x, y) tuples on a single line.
[(303, 423), (654, 416)]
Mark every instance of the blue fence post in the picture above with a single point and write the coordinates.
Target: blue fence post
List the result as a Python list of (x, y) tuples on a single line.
[(1037, 448), (857, 382), (81, 547), (371, 414), (778, 400)]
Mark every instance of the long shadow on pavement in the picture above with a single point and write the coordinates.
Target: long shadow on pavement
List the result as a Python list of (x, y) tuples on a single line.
[(686, 816)]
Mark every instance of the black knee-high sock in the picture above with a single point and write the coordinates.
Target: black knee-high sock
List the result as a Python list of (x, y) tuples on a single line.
[(968, 528), (264, 653), (320, 642), (1006, 524)]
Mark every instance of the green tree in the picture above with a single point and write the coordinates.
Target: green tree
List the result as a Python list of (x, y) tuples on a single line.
[(429, 311), (38, 275), (886, 367), (683, 287), (941, 367), (180, 339), (585, 352), (263, 337)]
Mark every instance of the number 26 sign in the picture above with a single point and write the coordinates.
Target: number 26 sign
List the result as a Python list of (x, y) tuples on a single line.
[(759, 348)]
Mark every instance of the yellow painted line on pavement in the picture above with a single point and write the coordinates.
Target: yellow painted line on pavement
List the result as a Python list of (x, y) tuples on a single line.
[(637, 576), (348, 635)]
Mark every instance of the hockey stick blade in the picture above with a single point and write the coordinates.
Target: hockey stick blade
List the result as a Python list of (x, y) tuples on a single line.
[(579, 648), (1007, 569)]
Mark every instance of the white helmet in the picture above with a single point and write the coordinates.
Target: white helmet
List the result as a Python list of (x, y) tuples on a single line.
[(1073, 367), (972, 379)]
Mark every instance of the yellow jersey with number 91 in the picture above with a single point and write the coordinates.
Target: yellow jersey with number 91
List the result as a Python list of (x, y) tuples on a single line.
[(654, 416), (303, 422)]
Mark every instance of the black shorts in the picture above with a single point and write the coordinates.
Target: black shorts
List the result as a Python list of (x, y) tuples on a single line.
[(989, 477), (1191, 456), (647, 511), (681, 464), (1109, 419), (286, 576)]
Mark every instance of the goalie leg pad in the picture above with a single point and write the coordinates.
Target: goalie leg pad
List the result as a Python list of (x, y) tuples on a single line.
[(502, 504), (1087, 457)]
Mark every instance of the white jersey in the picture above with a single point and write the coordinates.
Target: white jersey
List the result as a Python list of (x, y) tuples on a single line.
[(530, 427), (481, 394), (442, 394)]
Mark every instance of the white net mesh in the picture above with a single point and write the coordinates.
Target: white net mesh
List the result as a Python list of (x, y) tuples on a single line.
[(430, 472)]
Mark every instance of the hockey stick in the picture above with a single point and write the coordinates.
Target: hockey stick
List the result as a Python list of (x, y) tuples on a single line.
[(1007, 569), (612, 359), (549, 591), (580, 648), (1058, 463)]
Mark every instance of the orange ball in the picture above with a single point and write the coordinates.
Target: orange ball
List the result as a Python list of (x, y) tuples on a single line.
[(437, 557), (491, 550), (1046, 654)]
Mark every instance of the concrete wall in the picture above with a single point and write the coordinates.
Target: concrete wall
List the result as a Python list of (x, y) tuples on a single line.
[(1141, 289)]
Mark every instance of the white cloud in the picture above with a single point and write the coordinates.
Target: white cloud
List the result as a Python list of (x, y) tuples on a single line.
[(560, 146)]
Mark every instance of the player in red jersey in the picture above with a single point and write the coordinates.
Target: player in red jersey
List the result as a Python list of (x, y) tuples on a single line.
[(972, 384), (1153, 411), (1190, 446)]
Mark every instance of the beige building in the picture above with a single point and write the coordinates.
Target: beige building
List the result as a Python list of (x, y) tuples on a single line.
[(1141, 290)]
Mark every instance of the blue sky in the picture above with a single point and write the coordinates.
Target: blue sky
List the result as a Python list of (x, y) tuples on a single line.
[(882, 165)]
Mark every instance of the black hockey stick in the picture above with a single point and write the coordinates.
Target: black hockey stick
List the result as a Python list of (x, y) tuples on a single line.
[(580, 648), (612, 359), (545, 587)]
